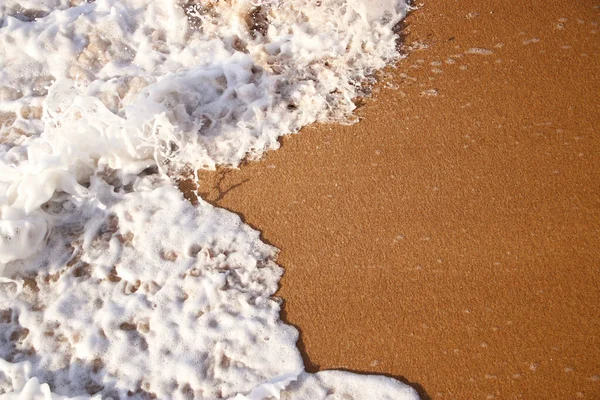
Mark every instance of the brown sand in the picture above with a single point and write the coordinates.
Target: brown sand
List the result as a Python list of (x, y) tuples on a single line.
[(452, 237)]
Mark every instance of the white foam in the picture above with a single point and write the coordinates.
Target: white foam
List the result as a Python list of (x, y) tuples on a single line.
[(346, 385), (479, 51), (114, 285)]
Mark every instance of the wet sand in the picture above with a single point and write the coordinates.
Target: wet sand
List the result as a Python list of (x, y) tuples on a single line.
[(452, 237)]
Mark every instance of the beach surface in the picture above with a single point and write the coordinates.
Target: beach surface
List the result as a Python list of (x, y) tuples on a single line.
[(450, 239)]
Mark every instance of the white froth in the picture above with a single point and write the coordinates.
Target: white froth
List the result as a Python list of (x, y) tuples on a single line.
[(346, 385), (170, 300), (113, 285)]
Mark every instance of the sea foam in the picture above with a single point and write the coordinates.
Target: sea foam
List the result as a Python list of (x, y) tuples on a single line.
[(112, 285)]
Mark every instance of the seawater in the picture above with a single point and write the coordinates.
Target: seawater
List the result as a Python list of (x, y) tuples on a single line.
[(112, 285)]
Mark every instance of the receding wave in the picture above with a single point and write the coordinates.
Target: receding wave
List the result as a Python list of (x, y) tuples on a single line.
[(112, 285)]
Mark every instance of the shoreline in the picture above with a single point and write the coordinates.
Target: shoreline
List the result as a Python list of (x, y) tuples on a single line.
[(449, 238)]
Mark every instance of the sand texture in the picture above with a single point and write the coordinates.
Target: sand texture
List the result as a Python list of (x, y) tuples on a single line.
[(452, 237)]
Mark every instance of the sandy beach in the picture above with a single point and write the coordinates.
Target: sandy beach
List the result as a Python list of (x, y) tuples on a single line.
[(450, 239)]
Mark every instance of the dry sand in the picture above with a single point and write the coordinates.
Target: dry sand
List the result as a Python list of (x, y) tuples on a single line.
[(451, 238)]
